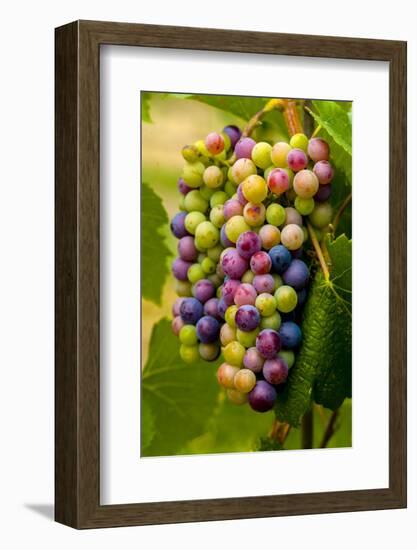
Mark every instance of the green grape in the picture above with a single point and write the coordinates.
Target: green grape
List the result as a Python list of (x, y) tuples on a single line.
[(199, 247), (189, 354), (290, 176), (209, 352), (193, 220), (192, 173), (217, 216), (189, 153), (209, 266), (288, 356), (321, 215), (230, 315), (226, 139), (194, 202), (206, 192), (214, 252), (266, 304), (213, 177), (181, 203), (236, 397), (233, 353), (261, 154), (218, 197), (247, 339), (244, 380), (188, 335), (201, 257), (277, 280), (279, 154), (229, 188), (195, 273), (248, 276), (254, 189), (227, 334), (286, 298), (216, 280), (272, 321), (207, 234), (235, 227), (299, 141), (304, 206), (275, 214), (183, 288), (201, 148)]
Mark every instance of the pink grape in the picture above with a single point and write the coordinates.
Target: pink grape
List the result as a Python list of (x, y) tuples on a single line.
[(318, 149), (264, 283), (180, 269), (270, 236), (243, 148), (248, 243), (260, 263), (293, 216), (324, 171), (203, 290), (214, 143), (232, 207), (233, 264), (186, 249), (245, 295), (253, 360), (297, 160), (240, 196), (278, 181), (176, 307), (229, 289), (306, 184), (177, 324)]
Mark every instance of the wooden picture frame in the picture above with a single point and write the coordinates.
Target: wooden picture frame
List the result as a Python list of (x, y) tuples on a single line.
[(77, 405)]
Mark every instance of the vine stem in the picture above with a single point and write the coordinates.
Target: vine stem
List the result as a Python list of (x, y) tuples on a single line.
[(256, 119), (330, 429), (280, 431), (339, 213), (318, 251)]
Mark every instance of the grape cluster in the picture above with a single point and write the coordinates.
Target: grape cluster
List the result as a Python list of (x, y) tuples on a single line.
[(241, 274)]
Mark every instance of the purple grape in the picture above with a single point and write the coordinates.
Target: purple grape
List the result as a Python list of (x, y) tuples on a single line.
[(264, 283), (324, 171), (260, 263), (290, 334), (211, 307), (225, 242), (233, 264), (262, 397), (232, 207), (318, 149), (221, 307), (186, 249), (298, 253), (247, 318), (280, 258), (297, 160), (177, 324), (208, 329), (243, 148), (240, 196), (248, 243), (245, 295), (229, 289), (268, 343), (176, 307), (203, 290), (180, 269), (253, 360), (296, 275), (177, 225), (183, 187), (275, 371), (323, 193), (191, 310), (234, 134)]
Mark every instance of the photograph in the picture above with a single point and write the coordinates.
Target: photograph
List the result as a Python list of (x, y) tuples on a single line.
[(246, 273)]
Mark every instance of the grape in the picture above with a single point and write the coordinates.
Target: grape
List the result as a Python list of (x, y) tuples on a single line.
[(279, 154), (176, 307), (230, 315), (183, 288), (186, 249), (235, 227), (240, 196), (264, 283), (213, 177), (209, 352), (183, 188), (254, 214), (304, 206), (323, 193), (292, 216), (208, 329), (272, 321), (236, 397), (243, 148), (318, 149), (266, 304), (225, 242), (218, 197), (191, 310), (180, 269), (296, 275), (232, 207), (245, 295), (321, 215), (201, 148), (261, 154), (248, 277), (270, 236), (253, 360), (299, 141), (234, 134), (268, 343), (280, 258), (233, 264), (233, 354), (277, 280), (177, 324), (247, 244), (286, 299), (288, 356), (275, 371), (214, 143), (192, 174), (290, 334), (207, 234), (292, 236), (241, 169), (244, 380), (297, 160), (217, 216), (226, 374), (229, 289), (211, 307), (206, 192), (324, 171), (247, 318), (275, 214), (229, 188), (305, 184), (190, 153), (227, 334), (181, 203), (192, 220), (195, 273), (262, 397), (278, 181), (209, 266), (177, 225), (188, 335), (247, 339), (189, 354), (203, 290), (260, 263), (222, 307), (254, 189)]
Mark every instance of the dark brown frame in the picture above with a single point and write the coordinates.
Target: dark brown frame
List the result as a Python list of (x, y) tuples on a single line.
[(77, 274)]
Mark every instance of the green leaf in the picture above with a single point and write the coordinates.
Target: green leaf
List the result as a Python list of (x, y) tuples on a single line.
[(145, 107), (155, 251), (181, 397), (243, 107), (323, 367), (147, 422)]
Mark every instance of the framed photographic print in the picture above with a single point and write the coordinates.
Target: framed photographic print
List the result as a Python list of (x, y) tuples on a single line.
[(230, 274)]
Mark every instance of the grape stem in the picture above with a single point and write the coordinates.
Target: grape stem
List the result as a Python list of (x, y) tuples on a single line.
[(256, 119), (318, 251), (280, 431), (339, 213), (330, 429)]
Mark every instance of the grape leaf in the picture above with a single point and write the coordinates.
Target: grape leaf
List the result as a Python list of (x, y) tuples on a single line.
[(145, 106), (147, 422), (323, 366), (181, 397), (243, 107), (155, 251)]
